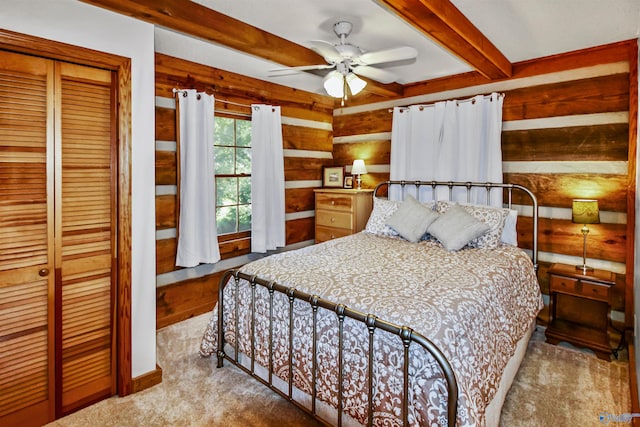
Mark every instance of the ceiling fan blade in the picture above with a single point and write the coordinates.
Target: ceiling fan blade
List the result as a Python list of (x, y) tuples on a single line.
[(382, 76), (327, 50), (387, 55), (304, 68)]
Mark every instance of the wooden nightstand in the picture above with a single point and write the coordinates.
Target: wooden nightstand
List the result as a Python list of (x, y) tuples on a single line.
[(580, 308), (340, 212)]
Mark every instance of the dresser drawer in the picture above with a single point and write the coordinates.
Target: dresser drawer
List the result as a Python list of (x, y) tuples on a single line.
[(343, 202), (326, 233), (334, 219), (563, 284), (595, 290)]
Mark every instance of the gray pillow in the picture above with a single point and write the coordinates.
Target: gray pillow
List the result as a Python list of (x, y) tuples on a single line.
[(412, 219), (456, 228)]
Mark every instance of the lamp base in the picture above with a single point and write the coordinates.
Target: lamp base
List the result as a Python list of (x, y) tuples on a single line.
[(584, 268)]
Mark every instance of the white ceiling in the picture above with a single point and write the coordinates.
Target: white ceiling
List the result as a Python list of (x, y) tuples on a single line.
[(520, 29)]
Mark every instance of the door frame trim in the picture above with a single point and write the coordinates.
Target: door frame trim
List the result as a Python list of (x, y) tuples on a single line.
[(36, 46)]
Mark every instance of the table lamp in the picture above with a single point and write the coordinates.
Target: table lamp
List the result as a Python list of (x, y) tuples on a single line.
[(585, 211), (358, 169)]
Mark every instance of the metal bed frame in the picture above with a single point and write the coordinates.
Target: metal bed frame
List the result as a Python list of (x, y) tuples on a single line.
[(406, 334)]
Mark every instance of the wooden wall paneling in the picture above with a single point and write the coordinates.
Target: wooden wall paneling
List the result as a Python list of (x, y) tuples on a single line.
[(300, 230), (305, 138), (166, 168), (559, 189), (299, 200), (372, 152), (166, 213), (186, 299), (598, 142), (166, 250), (304, 168), (363, 123), (166, 124), (593, 95)]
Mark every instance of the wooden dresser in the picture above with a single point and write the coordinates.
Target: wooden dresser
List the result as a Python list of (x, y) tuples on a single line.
[(340, 212), (582, 317)]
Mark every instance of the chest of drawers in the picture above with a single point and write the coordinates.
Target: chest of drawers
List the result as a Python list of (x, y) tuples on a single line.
[(340, 212)]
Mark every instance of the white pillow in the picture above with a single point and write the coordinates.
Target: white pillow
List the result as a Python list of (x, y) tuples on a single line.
[(412, 219), (492, 216), (382, 211), (510, 232), (456, 228)]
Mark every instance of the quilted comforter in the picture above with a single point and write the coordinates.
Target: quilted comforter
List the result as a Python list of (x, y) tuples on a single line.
[(474, 304)]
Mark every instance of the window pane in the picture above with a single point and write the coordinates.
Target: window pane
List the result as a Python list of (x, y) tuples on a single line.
[(244, 220), (225, 160), (224, 131), (243, 160), (226, 191), (243, 133), (226, 219), (244, 190)]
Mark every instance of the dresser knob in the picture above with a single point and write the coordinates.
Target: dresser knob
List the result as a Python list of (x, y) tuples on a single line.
[(333, 202), (333, 220), (43, 272)]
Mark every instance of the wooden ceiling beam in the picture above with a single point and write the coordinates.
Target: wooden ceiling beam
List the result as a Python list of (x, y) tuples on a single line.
[(193, 19), (443, 22)]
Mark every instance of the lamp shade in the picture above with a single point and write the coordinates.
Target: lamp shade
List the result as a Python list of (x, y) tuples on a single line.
[(358, 167), (356, 84), (334, 84), (585, 211)]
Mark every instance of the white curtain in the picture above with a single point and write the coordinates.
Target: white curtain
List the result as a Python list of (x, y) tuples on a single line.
[(197, 232), (267, 179), (449, 141)]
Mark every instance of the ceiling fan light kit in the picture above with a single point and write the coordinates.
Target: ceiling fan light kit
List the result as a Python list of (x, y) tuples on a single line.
[(350, 62)]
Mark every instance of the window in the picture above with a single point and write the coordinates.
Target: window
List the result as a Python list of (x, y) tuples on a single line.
[(233, 175)]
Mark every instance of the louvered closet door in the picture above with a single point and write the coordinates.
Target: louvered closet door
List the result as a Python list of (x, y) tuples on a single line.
[(26, 240), (85, 235)]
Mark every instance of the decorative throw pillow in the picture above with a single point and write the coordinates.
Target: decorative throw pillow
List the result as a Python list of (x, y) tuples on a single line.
[(492, 216), (456, 228), (412, 219), (382, 211), (510, 232)]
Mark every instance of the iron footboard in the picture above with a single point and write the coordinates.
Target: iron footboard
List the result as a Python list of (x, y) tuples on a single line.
[(372, 323)]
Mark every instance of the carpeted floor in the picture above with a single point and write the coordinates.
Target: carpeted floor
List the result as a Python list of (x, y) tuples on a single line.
[(555, 386)]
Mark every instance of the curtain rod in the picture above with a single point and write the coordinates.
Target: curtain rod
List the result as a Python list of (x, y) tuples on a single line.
[(184, 93), (458, 101)]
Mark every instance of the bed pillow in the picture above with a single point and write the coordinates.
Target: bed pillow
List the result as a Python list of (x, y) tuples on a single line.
[(510, 232), (412, 219), (456, 228), (492, 216), (382, 211)]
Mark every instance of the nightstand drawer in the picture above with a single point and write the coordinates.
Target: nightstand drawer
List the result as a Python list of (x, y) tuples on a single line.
[(325, 233), (341, 202), (595, 290), (563, 284), (334, 219)]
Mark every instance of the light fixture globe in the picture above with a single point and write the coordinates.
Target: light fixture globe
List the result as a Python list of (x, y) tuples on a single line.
[(334, 84), (356, 84)]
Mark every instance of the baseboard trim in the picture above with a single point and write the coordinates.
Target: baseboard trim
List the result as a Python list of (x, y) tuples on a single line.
[(147, 380)]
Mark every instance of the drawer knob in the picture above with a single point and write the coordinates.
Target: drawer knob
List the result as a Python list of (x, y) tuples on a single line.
[(43, 272), (333, 202), (333, 236), (333, 220)]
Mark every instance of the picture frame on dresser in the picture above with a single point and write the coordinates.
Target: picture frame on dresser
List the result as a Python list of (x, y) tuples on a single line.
[(333, 176), (348, 181)]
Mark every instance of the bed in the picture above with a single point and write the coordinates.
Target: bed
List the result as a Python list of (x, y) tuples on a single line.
[(393, 325)]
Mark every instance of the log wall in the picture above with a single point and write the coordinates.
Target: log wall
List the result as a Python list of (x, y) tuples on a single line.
[(569, 131)]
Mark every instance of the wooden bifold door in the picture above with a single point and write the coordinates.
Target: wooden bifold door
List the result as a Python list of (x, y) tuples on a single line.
[(57, 238)]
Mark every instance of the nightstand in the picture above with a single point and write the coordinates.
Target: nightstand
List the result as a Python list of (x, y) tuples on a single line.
[(340, 212), (580, 308)]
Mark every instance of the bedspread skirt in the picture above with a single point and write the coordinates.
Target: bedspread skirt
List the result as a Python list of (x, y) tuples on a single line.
[(473, 304)]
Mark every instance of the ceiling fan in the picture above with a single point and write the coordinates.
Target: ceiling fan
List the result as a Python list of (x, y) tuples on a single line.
[(350, 62)]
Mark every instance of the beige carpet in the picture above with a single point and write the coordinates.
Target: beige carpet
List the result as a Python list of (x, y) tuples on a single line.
[(555, 386)]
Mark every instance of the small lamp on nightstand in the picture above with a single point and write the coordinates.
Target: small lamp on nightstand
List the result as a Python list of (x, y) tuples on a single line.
[(585, 211), (358, 169)]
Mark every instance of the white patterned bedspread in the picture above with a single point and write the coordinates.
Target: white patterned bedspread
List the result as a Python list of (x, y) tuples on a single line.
[(474, 304)]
